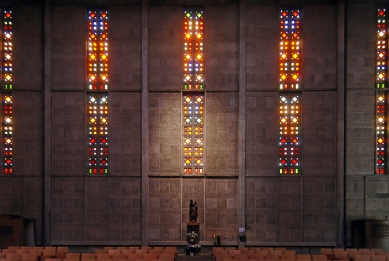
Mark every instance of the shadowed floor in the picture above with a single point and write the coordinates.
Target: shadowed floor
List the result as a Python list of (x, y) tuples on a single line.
[(199, 257)]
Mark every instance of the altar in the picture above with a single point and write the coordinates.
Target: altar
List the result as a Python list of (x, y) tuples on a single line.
[(193, 250)]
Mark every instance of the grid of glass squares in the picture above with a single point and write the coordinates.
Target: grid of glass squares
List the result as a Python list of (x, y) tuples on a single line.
[(7, 74), (381, 95), (193, 55), (193, 145), (289, 94), (97, 85)]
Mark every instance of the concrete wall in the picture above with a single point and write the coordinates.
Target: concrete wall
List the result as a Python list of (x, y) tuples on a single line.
[(366, 193), (303, 210), (21, 194)]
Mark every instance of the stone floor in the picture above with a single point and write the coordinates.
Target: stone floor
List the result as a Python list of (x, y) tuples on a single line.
[(198, 257)]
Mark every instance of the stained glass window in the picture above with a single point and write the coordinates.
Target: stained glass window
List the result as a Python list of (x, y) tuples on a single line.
[(7, 51), (381, 97), (289, 133), (98, 133), (97, 85), (289, 94), (193, 101), (97, 64), (193, 133), (380, 133), (193, 50), (289, 69)]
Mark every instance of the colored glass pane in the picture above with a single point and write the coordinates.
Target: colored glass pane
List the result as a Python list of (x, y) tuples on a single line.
[(382, 49), (289, 83), (289, 133), (7, 133), (7, 50), (97, 81), (381, 96), (7, 77), (193, 129), (289, 50), (193, 103), (380, 133), (97, 51), (97, 116), (193, 50)]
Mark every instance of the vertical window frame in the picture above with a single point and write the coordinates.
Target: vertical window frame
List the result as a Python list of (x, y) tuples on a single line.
[(289, 91), (381, 93), (7, 87), (97, 92), (193, 93)]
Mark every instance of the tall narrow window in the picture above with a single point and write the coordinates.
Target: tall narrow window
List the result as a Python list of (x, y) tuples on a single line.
[(381, 96), (193, 101), (193, 133), (97, 87), (6, 65), (289, 94)]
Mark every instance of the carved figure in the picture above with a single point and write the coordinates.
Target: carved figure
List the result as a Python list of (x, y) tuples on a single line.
[(192, 211)]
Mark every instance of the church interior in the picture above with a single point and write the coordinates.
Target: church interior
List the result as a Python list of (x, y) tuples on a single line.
[(138, 122)]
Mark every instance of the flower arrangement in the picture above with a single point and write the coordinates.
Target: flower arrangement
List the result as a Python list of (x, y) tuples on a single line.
[(191, 234)]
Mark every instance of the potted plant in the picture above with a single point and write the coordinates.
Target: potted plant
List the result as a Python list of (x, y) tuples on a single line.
[(191, 236)]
